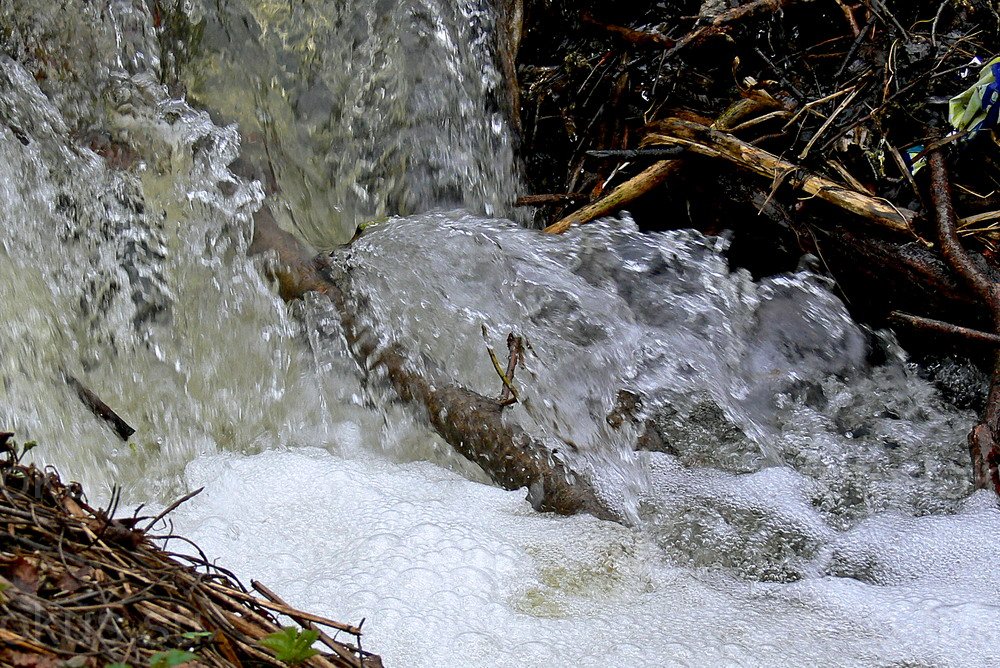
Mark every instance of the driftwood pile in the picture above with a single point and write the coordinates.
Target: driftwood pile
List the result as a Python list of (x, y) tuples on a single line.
[(803, 126), (82, 588)]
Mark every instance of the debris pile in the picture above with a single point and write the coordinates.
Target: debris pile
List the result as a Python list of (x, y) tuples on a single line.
[(80, 587), (829, 95)]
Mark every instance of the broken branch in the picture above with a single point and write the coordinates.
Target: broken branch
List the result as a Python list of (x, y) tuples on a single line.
[(509, 394), (99, 408), (947, 328), (715, 144), (618, 198)]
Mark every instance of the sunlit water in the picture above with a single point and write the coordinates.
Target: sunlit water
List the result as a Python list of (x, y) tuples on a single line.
[(808, 505)]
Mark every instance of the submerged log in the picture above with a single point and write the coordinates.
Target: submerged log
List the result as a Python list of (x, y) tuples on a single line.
[(470, 422)]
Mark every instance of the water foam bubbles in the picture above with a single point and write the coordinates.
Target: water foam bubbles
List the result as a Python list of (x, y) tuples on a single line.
[(448, 571)]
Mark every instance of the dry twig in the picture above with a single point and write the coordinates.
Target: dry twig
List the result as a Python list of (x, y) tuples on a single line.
[(706, 141), (947, 328), (618, 198)]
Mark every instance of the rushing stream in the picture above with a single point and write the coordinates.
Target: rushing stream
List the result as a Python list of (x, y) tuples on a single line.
[(806, 501)]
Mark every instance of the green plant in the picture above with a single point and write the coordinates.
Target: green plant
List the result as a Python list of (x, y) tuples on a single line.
[(9, 448), (171, 658), (291, 645), (26, 448)]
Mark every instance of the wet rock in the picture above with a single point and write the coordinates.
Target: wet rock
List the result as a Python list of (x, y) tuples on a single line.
[(701, 435), (960, 381)]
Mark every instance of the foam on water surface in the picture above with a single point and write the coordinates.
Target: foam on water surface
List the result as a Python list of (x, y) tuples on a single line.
[(452, 572)]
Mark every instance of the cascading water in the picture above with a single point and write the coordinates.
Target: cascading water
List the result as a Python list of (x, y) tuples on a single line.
[(803, 505), (359, 109)]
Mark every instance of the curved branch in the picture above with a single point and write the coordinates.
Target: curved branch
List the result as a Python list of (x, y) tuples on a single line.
[(983, 444)]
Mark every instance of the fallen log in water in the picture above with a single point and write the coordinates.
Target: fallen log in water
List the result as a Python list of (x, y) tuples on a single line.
[(468, 421)]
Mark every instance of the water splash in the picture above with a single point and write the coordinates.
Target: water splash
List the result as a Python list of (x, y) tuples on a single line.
[(775, 371), (804, 503)]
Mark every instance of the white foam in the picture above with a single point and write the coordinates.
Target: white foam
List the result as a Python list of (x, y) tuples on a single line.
[(452, 572)]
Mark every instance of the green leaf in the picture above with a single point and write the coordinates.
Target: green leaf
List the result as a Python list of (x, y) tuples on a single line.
[(197, 635), (171, 658), (291, 645)]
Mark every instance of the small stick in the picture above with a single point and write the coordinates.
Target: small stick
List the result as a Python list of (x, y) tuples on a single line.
[(808, 107), (651, 153), (947, 328), (618, 198), (515, 351), (827, 122), (854, 47), (285, 610), (172, 507), (550, 198), (339, 648), (965, 223), (757, 120), (509, 391), (99, 408)]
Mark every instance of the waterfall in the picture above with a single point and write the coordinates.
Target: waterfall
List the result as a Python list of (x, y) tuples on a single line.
[(805, 499)]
